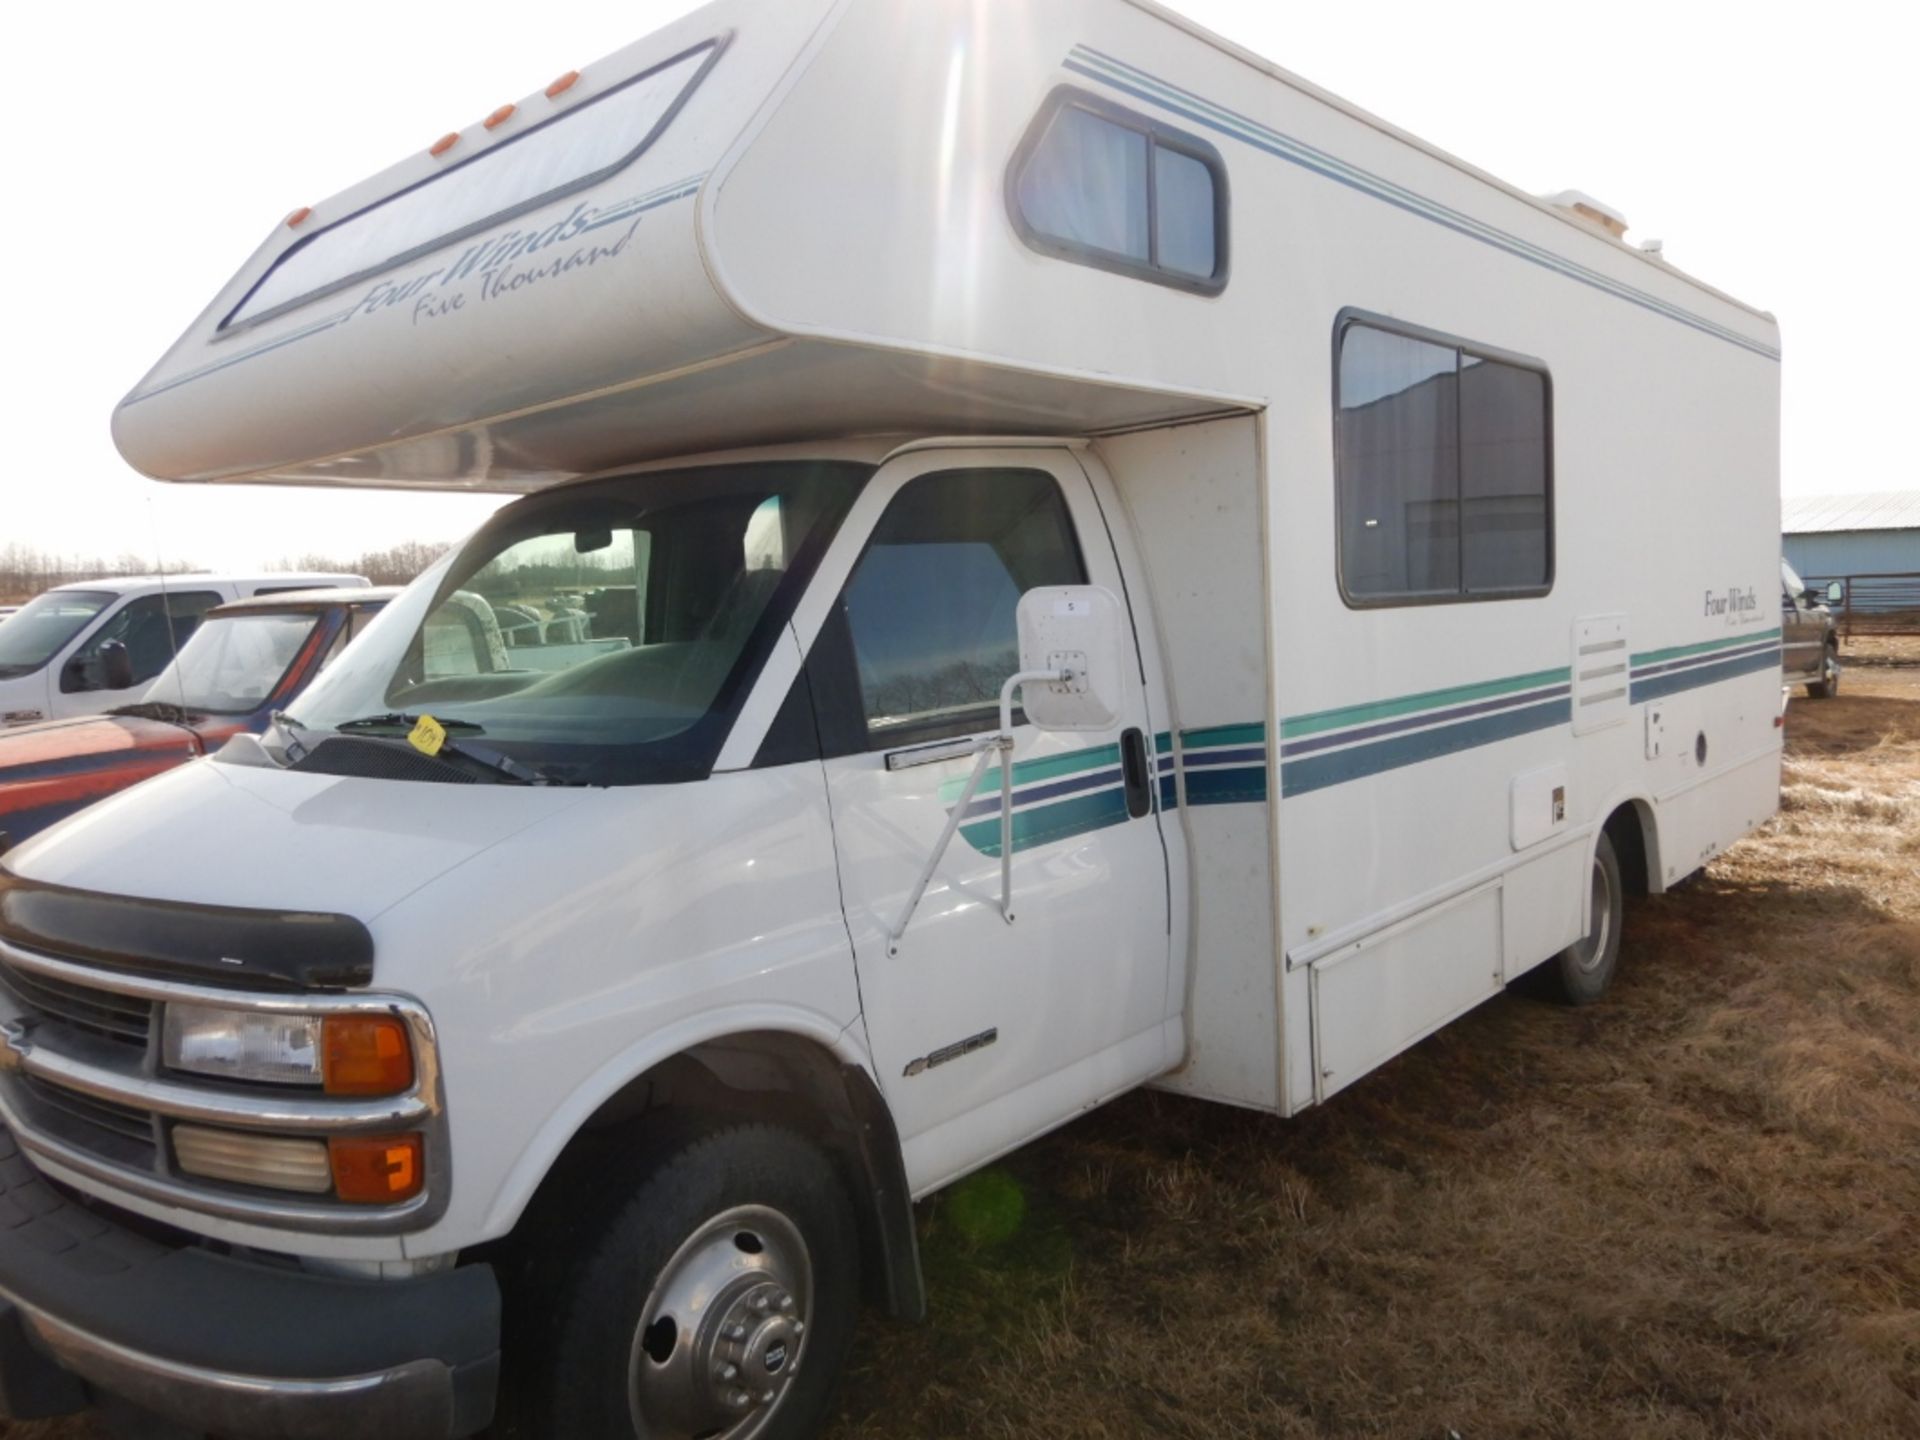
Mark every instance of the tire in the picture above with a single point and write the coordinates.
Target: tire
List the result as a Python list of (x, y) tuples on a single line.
[(1581, 973), (1828, 685), (734, 1248)]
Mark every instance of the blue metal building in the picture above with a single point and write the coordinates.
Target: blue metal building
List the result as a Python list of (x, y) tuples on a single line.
[(1836, 535)]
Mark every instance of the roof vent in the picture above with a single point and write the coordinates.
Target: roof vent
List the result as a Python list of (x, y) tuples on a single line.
[(1592, 211)]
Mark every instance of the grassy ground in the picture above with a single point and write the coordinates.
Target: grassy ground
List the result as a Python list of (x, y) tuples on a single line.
[(1692, 1210)]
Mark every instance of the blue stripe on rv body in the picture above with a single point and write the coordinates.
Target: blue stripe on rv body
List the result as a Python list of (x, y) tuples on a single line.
[(1130, 80), (1051, 790), (1317, 772), (1653, 687)]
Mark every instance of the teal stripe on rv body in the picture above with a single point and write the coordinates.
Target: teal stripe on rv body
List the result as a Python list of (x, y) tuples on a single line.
[(1704, 647), (1349, 716), (1351, 742), (1107, 70), (1043, 824)]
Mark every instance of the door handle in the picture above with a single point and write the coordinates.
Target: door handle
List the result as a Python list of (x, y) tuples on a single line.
[(1133, 766)]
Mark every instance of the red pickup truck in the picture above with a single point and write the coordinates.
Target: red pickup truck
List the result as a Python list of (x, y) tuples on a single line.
[(246, 660)]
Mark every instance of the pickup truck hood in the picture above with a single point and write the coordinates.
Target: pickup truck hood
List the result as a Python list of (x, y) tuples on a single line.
[(50, 770), (211, 833)]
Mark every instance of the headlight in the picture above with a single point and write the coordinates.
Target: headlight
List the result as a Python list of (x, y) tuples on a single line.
[(345, 1054), (243, 1044)]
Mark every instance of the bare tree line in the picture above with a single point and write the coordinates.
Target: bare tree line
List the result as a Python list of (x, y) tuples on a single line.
[(396, 565), (25, 571)]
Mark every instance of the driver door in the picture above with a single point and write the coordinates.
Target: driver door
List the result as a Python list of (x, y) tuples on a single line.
[(985, 1033)]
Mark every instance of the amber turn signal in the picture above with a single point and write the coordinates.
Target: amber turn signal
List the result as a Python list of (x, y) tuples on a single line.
[(376, 1169), (365, 1055)]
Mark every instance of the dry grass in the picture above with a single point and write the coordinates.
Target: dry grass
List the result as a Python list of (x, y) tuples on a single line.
[(1693, 1210)]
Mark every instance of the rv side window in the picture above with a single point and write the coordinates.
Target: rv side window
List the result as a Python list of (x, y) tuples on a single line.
[(1443, 467), (1099, 184), (930, 607)]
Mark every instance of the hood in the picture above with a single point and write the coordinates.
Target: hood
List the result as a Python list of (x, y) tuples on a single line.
[(89, 742), (54, 769), (223, 834)]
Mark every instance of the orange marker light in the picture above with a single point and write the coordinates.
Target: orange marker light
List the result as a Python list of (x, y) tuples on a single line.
[(562, 85), (376, 1169), (500, 116), (293, 220), (445, 143), (365, 1055)]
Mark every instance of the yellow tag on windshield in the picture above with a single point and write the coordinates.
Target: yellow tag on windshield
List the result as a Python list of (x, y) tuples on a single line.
[(427, 736)]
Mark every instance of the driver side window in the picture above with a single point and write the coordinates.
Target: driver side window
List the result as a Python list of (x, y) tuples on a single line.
[(930, 606), (152, 628)]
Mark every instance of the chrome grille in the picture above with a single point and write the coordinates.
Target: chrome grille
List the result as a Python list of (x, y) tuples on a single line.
[(118, 1132), (125, 1018)]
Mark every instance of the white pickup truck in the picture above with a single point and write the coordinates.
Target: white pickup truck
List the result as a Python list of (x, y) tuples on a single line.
[(1052, 557), (84, 648)]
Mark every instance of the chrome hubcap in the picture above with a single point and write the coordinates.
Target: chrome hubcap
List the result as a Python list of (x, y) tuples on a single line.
[(1600, 927), (723, 1331)]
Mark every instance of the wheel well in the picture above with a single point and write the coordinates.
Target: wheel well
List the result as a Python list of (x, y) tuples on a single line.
[(776, 1078), (1636, 845)]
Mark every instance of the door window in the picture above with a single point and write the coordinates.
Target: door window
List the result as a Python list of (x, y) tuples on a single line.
[(153, 628), (930, 608)]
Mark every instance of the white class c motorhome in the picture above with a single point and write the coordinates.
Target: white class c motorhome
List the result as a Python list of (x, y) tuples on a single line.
[(84, 648), (1054, 557)]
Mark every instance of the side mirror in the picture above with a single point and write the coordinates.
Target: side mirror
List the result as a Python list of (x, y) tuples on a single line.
[(1077, 631), (1836, 592), (1072, 676), (116, 667)]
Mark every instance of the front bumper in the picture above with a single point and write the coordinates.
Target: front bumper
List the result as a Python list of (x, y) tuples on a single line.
[(218, 1343)]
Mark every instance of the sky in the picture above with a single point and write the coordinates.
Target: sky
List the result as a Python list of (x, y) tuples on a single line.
[(1769, 146)]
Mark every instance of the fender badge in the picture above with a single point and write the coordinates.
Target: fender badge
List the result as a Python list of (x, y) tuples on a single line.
[(951, 1052)]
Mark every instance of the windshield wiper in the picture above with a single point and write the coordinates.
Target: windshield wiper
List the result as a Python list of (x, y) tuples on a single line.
[(502, 765), (399, 720), (155, 710)]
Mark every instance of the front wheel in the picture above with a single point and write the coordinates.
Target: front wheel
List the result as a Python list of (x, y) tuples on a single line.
[(717, 1302), (1581, 973), (1828, 685)]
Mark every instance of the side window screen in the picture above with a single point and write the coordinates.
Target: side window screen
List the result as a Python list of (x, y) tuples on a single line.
[(1096, 183), (930, 607), (1442, 469), (1087, 185)]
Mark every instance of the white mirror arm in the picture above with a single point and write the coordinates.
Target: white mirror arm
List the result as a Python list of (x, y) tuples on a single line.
[(1014, 682), (1002, 745)]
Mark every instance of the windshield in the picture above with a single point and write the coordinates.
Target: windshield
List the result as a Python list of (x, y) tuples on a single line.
[(43, 626), (603, 633), (231, 666)]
